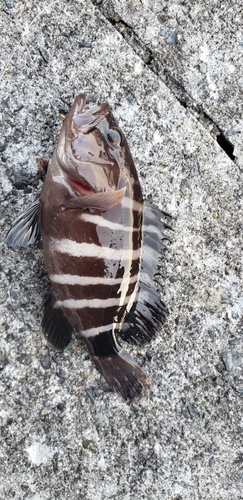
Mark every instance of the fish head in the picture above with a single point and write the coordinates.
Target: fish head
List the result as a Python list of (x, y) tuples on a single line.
[(90, 148)]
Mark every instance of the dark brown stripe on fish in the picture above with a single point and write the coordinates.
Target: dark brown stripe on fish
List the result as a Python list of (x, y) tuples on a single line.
[(65, 290), (87, 265), (136, 195), (72, 258), (92, 267), (90, 318)]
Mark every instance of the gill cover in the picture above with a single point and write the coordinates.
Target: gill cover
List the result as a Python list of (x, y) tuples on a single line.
[(89, 152)]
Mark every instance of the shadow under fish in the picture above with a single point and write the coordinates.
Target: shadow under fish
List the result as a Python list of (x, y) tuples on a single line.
[(101, 244)]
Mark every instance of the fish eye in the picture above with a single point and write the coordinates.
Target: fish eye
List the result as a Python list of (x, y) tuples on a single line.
[(113, 137)]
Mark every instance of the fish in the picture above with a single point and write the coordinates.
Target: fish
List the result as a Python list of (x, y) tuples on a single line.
[(101, 245)]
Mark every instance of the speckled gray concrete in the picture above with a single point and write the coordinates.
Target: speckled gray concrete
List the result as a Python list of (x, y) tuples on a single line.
[(63, 434), (199, 49)]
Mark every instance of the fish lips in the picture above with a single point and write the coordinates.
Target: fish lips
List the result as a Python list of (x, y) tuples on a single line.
[(82, 119)]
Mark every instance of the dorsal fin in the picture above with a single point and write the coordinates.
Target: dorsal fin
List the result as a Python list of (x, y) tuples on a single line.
[(148, 311), (26, 229), (100, 201)]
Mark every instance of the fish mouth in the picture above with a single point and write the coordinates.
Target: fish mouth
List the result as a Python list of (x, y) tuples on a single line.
[(85, 119), (94, 162), (82, 155)]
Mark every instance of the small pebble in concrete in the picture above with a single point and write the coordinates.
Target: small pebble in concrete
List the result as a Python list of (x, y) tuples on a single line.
[(9, 3), (192, 411), (45, 361), (235, 341), (44, 54), (85, 44), (204, 369), (231, 359), (227, 359), (203, 67), (212, 334), (171, 40)]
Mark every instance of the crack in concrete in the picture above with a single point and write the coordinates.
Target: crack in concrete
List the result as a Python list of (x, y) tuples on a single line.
[(176, 87)]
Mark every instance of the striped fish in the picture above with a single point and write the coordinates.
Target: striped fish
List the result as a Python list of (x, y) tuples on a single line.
[(101, 245)]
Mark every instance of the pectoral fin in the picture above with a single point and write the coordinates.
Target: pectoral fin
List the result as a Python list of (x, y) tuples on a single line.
[(26, 229), (100, 201)]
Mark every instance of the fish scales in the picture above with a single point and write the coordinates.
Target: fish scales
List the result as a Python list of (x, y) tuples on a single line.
[(89, 248), (101, 243)]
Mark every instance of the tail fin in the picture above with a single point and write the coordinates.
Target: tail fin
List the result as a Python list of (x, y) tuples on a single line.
[(123, 375)]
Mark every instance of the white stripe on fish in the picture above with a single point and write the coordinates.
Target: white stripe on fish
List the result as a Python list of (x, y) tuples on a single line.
[(130, 203), (92, 332), (92, 303), (73, 279), (101, 222), (75, 249)]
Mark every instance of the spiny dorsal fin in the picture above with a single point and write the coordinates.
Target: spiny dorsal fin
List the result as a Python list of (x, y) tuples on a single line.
[(148, 311)]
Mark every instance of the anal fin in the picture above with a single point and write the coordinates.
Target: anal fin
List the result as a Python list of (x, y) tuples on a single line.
[(55, 326), (26, 229)]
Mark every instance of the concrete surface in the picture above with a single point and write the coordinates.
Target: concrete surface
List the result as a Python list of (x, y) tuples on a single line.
[(197, 48), (63, 434)]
